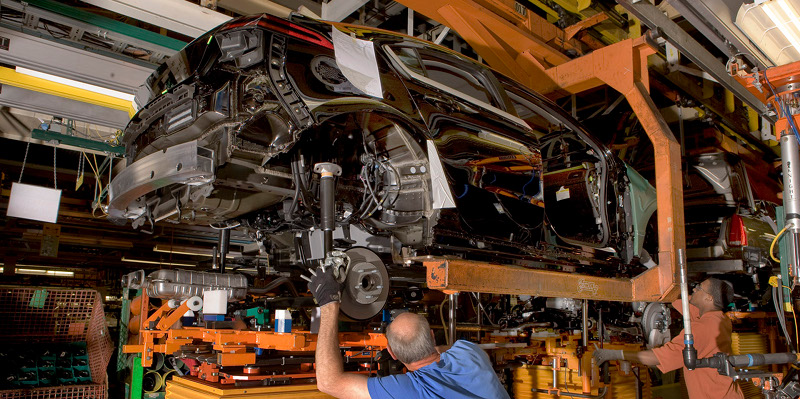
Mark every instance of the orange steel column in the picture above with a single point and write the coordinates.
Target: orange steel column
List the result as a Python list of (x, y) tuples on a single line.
[(623, 66)]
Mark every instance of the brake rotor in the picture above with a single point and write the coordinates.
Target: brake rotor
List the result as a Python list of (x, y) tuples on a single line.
[(655, 323), (366, 287)]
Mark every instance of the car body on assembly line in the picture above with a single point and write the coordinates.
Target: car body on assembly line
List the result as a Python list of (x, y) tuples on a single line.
[(439, 153), (727, 228)]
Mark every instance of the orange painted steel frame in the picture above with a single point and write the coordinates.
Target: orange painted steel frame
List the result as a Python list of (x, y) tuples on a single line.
[(522, 47), (232, 345)]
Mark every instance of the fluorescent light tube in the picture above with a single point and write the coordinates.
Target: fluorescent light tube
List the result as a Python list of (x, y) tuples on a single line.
[(76, 84), (41, 272)]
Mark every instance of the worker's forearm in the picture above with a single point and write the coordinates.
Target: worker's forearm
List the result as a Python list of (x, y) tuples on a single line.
[(648, 358), (328, 358)]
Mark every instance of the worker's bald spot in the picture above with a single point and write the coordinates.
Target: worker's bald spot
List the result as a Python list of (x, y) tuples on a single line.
[(409, 337), (405, 325)]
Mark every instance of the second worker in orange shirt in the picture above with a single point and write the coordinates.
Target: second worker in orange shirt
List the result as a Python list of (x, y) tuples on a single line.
[(712, 334)]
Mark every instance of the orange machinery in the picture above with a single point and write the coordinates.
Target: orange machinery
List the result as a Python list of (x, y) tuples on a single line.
[(236, 349), (557, 352)]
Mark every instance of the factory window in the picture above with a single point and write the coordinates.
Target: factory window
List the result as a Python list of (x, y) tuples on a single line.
[(410, 59), (530, 109)]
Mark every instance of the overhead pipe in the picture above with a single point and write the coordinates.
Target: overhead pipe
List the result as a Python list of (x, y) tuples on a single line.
[(584, 335), (224, 244), (451, 331)]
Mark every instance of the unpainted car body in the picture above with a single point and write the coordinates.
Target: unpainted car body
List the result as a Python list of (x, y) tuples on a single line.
[(450, 156)]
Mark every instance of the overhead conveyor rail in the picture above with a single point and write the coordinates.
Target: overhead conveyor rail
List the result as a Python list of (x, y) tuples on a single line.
[(64, 41), (88, 30)]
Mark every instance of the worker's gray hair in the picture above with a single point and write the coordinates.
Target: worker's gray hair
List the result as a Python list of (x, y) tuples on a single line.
[(414, 344), (721, 292)]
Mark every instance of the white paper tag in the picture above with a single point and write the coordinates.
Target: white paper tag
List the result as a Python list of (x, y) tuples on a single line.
[(356, 60), (562, 194), (442, 197)]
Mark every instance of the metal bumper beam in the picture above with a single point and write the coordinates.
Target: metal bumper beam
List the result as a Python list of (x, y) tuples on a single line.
[(185, 163)]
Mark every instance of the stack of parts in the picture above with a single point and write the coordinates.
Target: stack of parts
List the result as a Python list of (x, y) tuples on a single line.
[(749, 342), (63, 339), (44, 366)]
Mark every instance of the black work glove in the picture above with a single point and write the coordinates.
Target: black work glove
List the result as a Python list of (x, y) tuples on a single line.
[(323, 285)]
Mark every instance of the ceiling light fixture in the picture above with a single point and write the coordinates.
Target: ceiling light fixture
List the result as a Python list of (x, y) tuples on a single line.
[(155, 262), (41, 272), (773, 26), (76, 84)]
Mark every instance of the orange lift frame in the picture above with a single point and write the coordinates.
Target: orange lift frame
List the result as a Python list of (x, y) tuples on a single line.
[(523, 47)]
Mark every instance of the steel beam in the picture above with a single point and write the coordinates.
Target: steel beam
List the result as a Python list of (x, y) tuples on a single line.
[(66, 61), (49, 104), (623, 66), (715, 20), (183, 163), (135, 35), (470, 276), (337, 10), (16, 124), (119, 35), (247, 7), (516, 45), (658, 22), (176, 15), (76, 141)]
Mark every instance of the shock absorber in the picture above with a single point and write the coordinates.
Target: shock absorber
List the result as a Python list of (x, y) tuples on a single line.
[(327, 191)]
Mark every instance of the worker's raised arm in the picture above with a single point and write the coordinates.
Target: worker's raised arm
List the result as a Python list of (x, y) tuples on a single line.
[(331, 378)]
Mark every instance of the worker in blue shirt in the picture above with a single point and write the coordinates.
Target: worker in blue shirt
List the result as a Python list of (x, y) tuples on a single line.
[(462, 371)]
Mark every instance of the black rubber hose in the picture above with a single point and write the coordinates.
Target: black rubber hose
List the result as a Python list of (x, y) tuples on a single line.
[(747, 360), (777, 299), (759, 359), (224, 244)]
